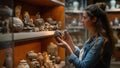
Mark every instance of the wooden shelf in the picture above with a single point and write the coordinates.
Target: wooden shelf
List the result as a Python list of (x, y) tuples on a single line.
[(73, 11), (58, 2), (26, 36), (116, 27), (43, 2), (113, 10)]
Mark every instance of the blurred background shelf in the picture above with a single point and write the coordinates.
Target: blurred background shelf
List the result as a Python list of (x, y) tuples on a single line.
[(113, 10), (73, 11)]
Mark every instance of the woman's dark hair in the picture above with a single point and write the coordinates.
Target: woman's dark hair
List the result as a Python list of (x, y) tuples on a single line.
[(101, 5), (102, 24)]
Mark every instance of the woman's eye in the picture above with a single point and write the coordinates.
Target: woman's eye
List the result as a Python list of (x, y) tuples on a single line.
[(84, 17)]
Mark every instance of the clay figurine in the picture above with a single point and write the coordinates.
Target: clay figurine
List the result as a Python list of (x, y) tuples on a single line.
[(38, 21), (18, 11)]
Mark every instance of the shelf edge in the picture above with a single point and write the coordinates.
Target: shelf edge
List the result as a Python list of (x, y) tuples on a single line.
[(58, 2), (32, 35), (25, 36)]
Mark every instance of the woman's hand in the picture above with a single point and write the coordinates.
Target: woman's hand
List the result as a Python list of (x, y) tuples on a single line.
[(64, 39), (68, 39), (64, 44)]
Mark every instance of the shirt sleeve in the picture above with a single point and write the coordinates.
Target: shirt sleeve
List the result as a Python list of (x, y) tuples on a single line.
[(90, 58), (77, 51)]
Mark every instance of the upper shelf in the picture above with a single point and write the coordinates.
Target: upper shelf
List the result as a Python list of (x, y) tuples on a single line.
[(43, 2), (73, 11), (113, 10), (25, 35), (80, 11)]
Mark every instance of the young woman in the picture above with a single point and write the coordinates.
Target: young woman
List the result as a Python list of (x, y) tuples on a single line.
[(98, 49)]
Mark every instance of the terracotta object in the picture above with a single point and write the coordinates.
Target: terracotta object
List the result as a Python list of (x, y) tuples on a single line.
[(18, 11), (31, 55), (52, 49), (57, 60), (40, 58)]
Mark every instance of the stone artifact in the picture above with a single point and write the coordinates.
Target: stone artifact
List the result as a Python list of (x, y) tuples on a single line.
[(34, 64), (38, 21), (16, 24)]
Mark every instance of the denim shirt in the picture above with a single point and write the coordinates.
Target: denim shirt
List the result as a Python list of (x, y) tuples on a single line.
[(91, 55)]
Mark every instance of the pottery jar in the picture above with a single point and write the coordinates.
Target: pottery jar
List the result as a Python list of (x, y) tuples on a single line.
[(31, 55), (23, 64)]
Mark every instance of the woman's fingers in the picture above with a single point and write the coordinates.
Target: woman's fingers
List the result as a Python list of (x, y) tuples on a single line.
[(59, 39), (66, 35), (61, 43)]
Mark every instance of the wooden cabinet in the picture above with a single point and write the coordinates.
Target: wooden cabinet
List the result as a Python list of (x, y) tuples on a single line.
[(37, 41)]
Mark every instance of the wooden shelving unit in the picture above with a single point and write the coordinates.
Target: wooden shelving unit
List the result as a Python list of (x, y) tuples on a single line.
[(37, 41)]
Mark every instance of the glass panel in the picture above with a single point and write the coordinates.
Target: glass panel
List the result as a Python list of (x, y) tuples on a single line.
[(73, 13), (6, 35)]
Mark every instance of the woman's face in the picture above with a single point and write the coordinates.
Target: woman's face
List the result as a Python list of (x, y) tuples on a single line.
[(86, 20)]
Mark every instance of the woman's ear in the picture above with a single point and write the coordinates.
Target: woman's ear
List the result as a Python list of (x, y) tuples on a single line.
[(94, 19)]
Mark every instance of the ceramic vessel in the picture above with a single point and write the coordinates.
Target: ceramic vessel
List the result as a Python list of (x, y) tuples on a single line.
[(31, 55), (116, 21), (5, 11), (16, 24), (23, 64), (113, 4), (74, 22), (75, 5)]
